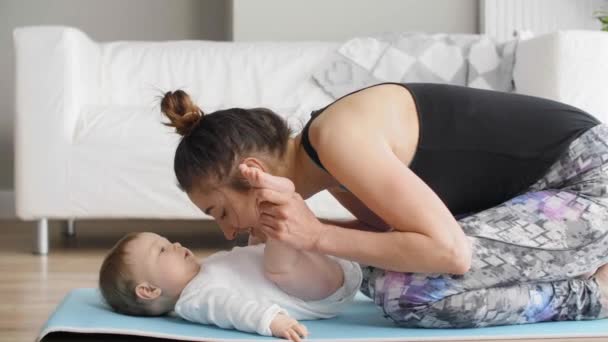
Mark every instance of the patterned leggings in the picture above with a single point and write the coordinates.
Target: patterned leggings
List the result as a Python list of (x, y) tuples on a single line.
[(529, 254)]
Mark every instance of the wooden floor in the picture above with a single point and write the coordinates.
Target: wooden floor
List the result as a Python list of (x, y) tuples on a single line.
[(31, 286)]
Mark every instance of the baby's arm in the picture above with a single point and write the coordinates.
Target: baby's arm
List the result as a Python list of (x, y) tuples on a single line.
[(305, 275), (229, 309)]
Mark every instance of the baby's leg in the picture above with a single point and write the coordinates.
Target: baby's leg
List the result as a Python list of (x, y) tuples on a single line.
[(260, 179), (305, 275)]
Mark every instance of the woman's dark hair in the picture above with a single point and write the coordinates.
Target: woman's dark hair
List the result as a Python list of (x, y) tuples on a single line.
[(213, 144)]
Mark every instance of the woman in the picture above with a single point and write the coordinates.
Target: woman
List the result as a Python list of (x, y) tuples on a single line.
[(526, 176)]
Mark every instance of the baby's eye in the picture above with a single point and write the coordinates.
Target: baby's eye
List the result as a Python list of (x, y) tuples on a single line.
[(162, 249)]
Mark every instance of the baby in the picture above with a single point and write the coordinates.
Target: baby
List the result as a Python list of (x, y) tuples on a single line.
[(146, 275), (262, 288)]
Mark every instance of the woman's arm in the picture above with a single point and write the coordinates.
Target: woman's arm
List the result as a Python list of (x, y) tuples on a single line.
[(426, 237), (352, 224), (295, 224), (358, 241), (395, 251)]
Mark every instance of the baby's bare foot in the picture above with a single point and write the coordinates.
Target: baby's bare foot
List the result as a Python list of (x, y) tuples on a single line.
[(260, 179)]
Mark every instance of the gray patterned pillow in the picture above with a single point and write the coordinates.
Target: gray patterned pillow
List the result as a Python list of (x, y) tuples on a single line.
[(491, 65), (413, 57)]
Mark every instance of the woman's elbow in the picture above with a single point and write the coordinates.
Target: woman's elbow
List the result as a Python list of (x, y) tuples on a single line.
[(461, 265), (459, 257)]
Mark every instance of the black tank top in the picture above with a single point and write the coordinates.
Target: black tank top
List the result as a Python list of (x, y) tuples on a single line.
[(479, 148)]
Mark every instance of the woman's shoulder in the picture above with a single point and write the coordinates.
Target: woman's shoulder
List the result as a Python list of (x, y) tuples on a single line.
[(369, 111), (372, 96)]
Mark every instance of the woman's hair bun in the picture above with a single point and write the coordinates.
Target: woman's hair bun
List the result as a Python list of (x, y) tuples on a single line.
[(182, 112)]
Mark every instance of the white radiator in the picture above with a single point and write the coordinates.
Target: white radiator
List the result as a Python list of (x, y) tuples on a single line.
[(502, 18)]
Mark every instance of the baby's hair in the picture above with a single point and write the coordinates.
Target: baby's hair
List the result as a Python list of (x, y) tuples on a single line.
[(116, 281)]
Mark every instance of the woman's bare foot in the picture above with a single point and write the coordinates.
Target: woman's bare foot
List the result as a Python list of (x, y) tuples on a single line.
[(601, 277), (587, 275)]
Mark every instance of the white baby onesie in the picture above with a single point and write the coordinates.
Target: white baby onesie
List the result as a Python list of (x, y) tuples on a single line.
[(231, 291)]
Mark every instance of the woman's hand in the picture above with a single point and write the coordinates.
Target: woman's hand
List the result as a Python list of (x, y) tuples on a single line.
[(284, 215), (256, 237), (287, 218)]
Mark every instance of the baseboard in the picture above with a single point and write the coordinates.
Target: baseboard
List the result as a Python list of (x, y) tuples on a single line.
[(7, 204)]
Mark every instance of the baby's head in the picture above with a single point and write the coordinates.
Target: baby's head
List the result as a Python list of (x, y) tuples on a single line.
[(144, 274)]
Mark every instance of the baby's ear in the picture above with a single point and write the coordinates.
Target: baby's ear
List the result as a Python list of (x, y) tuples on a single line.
[(147, 291)]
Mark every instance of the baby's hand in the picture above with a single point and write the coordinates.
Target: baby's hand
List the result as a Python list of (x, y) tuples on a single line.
[(288, 328)]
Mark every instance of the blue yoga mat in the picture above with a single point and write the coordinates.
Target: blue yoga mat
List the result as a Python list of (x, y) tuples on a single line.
[(83, 311)]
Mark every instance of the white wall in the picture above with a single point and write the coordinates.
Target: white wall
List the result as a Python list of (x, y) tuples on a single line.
[(103, 20), (501, 18), (341, 19)]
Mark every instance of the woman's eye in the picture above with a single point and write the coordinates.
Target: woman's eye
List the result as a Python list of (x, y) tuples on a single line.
[(223, 214)]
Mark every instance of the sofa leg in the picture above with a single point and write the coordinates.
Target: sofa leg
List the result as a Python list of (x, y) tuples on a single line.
[(70, 228), (42, 237)]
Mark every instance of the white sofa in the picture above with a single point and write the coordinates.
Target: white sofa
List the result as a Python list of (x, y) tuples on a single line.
[(89, 141)]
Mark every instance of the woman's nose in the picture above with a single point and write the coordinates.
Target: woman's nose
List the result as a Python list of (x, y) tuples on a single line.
[(230, 233)]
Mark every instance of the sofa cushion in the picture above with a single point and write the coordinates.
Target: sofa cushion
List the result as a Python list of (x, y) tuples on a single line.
[(459, 59), (121, 165), (216, 74)]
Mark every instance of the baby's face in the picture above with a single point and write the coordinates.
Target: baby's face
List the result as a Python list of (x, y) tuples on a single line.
[(162, 263)]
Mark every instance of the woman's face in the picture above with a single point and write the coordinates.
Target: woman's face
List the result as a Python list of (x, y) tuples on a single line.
[(234, 212)]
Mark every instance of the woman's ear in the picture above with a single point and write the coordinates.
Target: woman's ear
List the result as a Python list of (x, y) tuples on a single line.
[(147, 291)]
